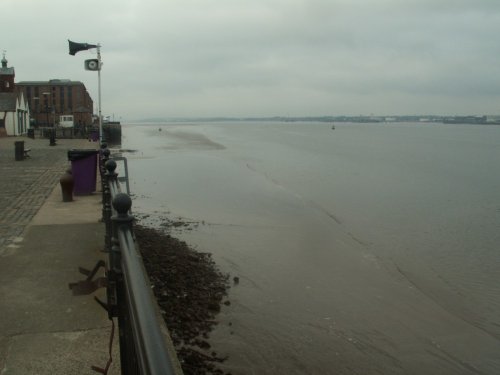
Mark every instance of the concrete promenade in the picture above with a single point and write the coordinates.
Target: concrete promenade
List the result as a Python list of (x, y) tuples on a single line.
[(44, 329)]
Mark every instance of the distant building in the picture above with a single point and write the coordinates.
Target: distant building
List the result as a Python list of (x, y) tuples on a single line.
[(14, 110), (7, 76), (49, 100), (465, 120)]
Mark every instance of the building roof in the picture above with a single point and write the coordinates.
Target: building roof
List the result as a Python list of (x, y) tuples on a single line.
[(4, 70), (52, 82), (8, 101)]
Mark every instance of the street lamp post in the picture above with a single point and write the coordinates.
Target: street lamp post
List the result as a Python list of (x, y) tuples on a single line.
[(46, 96), (35, 111), (99, 90), (53, 130), (91, 64)]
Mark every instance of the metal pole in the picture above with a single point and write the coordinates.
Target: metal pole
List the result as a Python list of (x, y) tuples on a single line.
[(99, 91), (46, 99)]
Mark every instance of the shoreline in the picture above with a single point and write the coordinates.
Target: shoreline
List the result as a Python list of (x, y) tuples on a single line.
[(190, 290)]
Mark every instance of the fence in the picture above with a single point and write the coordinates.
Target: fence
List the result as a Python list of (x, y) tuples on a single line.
[(111, 132), (142, 331)]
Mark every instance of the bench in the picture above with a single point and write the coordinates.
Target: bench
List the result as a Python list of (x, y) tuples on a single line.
[(27, 152)]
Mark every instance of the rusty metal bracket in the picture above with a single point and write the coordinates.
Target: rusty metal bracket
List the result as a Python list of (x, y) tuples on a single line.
[(89, 285), (104, 370)]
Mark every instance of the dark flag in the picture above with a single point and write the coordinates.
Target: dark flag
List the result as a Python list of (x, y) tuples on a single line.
[(77, 47)]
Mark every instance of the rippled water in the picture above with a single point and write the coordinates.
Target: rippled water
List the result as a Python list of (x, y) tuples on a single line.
[(371, 248)]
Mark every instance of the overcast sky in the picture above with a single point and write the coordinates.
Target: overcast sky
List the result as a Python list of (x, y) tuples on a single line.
[(195, 58)]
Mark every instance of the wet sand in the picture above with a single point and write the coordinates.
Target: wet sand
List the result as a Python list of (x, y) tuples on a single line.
[(315, 294), (305, 311)]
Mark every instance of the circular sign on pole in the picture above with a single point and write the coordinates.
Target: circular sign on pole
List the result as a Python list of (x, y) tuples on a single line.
[(92, 64)]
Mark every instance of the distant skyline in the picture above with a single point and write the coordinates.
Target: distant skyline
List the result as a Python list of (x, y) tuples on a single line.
[(262, 58)]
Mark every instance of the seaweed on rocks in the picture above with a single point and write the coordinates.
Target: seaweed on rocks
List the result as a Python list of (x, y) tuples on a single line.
[(190, 290)]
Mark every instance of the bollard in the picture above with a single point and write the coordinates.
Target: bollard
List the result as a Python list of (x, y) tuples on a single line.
[(52, 137), (67, 182), (19, 150)]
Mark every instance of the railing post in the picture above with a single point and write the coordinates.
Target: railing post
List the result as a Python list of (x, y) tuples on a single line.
[(111, 245), (103, 158), (110, 177), (128, 356), (122, 206)]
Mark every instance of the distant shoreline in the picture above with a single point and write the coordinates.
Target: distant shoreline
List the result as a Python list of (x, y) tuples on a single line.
[(465, 120)]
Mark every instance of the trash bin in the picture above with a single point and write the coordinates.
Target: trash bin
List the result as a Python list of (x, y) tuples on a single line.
[(84, 170), (19, 147), (94, 136), (31, 133)]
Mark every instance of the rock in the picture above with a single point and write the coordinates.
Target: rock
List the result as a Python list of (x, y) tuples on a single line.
[(189, 289)]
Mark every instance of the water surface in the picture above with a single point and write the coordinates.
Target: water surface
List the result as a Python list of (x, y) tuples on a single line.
[(371, 248)]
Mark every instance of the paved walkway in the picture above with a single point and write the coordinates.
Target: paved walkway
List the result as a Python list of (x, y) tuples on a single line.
[(44, 329), (26, 184)]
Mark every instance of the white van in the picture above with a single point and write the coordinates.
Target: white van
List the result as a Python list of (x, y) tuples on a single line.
[(66, 121)]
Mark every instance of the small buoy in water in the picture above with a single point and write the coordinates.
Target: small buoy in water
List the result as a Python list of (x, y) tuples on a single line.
[(159, 129)]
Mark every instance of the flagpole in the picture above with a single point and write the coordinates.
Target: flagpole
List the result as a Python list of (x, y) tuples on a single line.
[(99, 90), (90, 65)]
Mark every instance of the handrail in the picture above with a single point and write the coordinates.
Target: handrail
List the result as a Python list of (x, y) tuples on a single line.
[(143, 347)]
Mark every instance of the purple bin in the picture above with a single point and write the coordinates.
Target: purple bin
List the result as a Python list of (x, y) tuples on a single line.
[(94, 136), (84, 170)]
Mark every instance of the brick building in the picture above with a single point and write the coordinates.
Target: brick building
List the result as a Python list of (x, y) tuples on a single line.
[(48, 100)]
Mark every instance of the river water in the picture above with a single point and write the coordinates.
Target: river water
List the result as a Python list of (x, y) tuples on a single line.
[(368, 249)]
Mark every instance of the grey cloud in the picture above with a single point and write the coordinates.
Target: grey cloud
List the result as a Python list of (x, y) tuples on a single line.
[(180, 58)]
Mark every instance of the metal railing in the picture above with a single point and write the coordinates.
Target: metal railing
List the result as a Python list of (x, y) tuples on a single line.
[(143, 346)]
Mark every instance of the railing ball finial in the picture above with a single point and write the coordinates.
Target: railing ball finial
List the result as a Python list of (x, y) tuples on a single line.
[(122, 203), (110, 166)]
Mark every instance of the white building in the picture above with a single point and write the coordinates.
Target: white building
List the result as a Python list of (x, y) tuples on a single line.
[(14, 114)]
